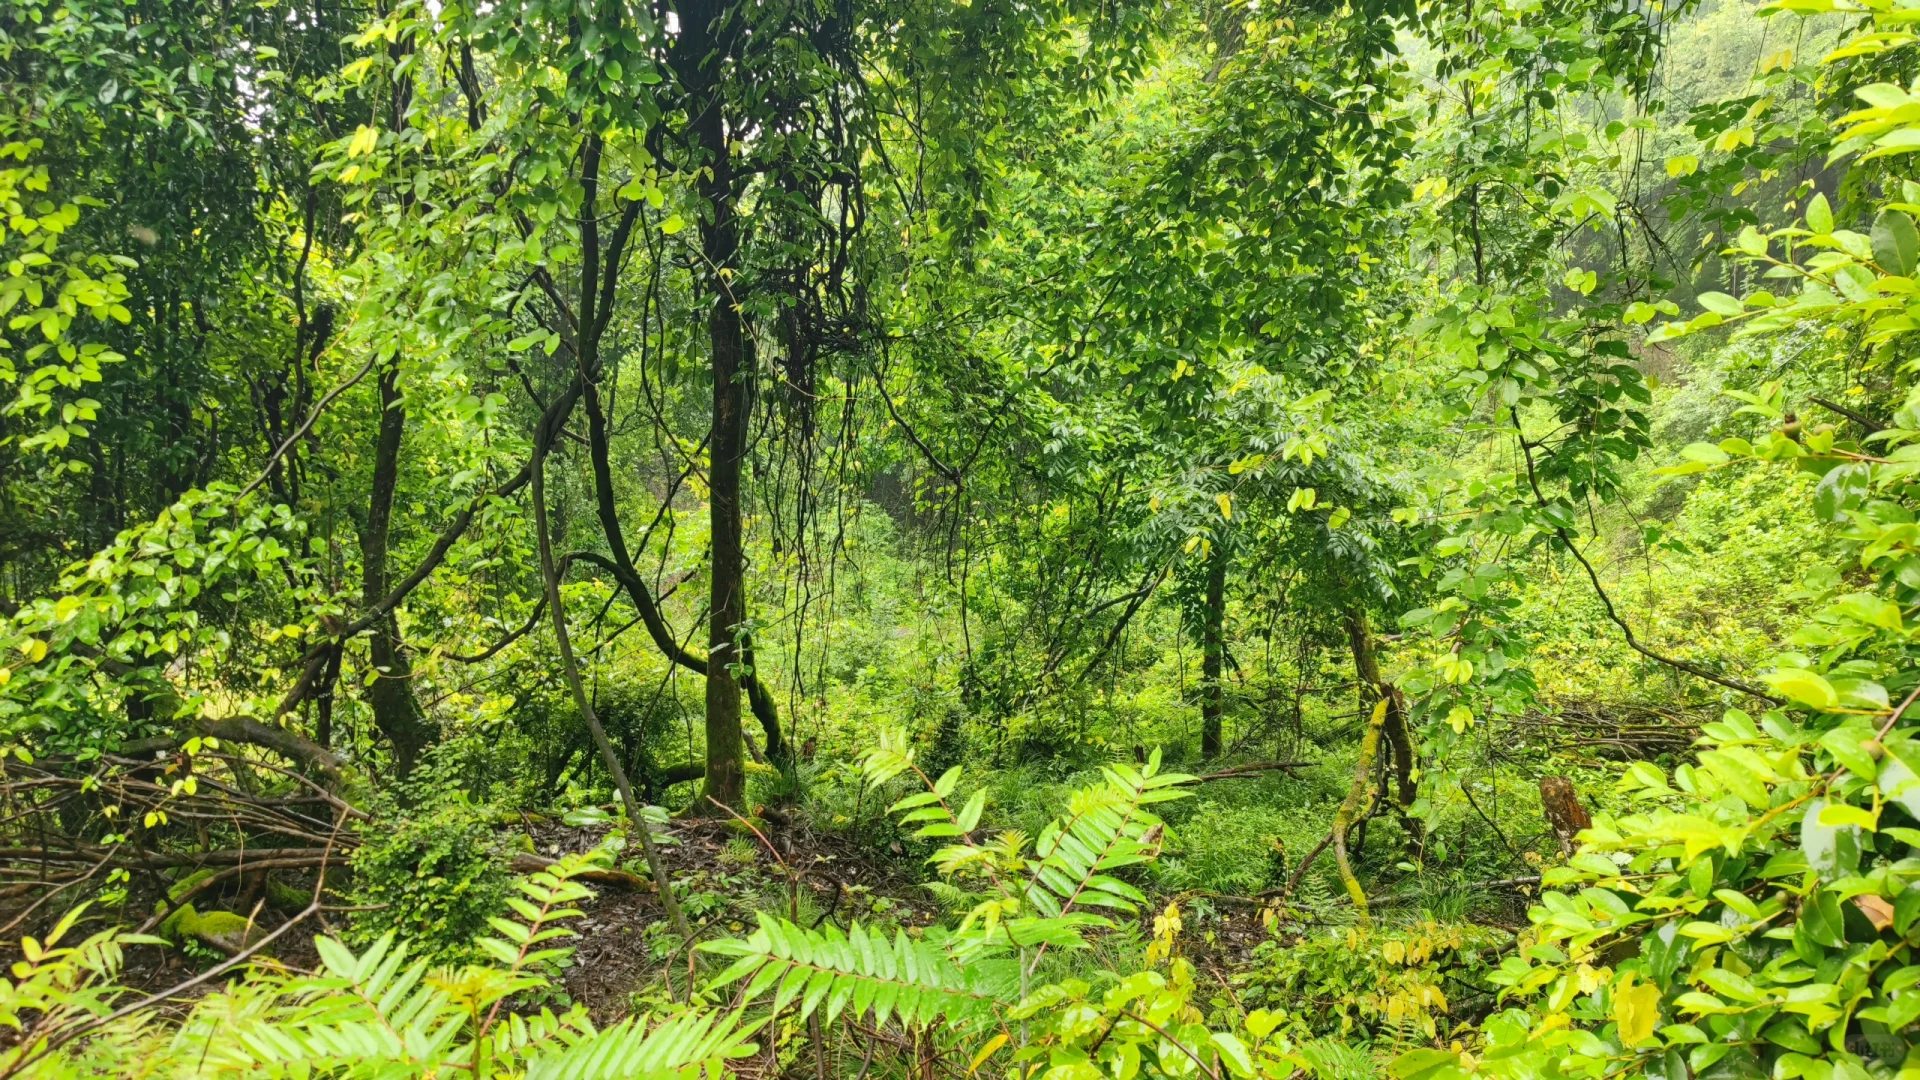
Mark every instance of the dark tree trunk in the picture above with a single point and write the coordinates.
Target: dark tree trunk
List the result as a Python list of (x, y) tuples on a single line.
[(725, 778), (706, 39), (1213, 651), (1366, 666), (323, 697), (396, 712)]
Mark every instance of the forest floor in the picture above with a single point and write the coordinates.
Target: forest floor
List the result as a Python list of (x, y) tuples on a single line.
[(791, 868), (727, 872)]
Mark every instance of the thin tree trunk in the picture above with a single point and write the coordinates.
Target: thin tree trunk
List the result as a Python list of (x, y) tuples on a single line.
[(1213, 648), (551, 579), (396, 712), (1366, 665), (1350, 809), (323, 697)]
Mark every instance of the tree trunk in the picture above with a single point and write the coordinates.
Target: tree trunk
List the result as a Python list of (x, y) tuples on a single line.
[(323, 697), (550, 578), (697, 59), (725, 780), (1349, 809), (1213, 649), (1366, 666), (395, 710)]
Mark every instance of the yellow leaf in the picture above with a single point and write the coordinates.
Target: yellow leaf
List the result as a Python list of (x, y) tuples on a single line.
[(364, 140), (1226, 505), (980, 1057), (1636, 1008)]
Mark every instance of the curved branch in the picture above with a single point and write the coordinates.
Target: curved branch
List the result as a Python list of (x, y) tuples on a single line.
[(288, 744), (1566, 539), (941, 467), (305, 425), (556, 415), (494, 649)]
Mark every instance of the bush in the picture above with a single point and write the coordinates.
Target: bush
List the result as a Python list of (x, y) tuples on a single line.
[(1392, 985), (432, 872)]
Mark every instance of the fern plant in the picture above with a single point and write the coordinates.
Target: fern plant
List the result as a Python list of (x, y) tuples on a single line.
[(1033, 894), (382, 1013), (59, 990)]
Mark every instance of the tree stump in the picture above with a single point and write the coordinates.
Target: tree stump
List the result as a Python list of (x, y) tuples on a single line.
[(1563, 810)]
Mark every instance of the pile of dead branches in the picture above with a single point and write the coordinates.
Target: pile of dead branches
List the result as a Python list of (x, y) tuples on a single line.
[(162, 832), (1616, 730)]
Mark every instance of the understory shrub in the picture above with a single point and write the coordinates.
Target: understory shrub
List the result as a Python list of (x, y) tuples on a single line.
[(430, 873), (1392, 985)]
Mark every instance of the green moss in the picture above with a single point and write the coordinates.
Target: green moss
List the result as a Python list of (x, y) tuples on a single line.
[(178, 926), (221, 929), (285, 897), (746, 826), (219, 924), (187, 884)]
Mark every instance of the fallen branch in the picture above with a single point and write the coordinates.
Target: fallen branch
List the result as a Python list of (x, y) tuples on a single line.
[(528, 863), (1254, 768)]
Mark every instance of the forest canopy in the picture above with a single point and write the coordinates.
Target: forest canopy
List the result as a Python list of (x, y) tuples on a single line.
[(1067, 540)]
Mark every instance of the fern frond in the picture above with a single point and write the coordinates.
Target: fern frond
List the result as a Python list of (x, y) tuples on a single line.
[(1106, 827), (892, 756), (861, 970), (680, 1047), (952, 897), (366, 1015)]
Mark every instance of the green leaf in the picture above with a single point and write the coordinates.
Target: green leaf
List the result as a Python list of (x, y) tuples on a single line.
[(1845, 744), (1822, 920), (1426, 1065), (970, 814), (1804, 687), (1833, 850), (1896, 244), (1847, 814), (943, 787), (1819, 214), (1869, 609), (1234, 1053), (1720, 303)]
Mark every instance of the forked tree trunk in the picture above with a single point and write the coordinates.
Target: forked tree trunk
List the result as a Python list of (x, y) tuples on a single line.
[(396, 712)]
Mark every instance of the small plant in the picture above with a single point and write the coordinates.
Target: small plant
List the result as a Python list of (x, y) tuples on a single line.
[(1388, 984), (738, 852), (429, 874)]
